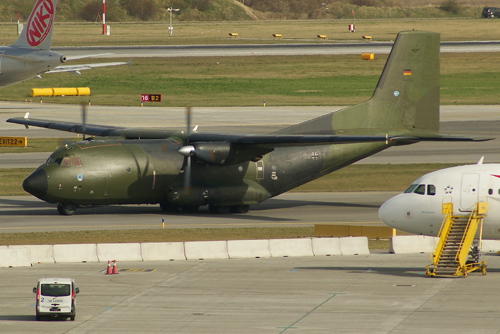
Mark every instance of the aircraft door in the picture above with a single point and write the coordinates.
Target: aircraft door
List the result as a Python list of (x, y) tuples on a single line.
[(469, 192)]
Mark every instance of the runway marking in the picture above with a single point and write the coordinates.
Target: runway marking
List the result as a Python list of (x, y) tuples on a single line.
[(305, 315)]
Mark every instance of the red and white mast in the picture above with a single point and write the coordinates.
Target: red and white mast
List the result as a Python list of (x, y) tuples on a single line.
[(103, 17)]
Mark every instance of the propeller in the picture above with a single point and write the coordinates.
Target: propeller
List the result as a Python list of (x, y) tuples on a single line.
[(187, 151), (84, 118)]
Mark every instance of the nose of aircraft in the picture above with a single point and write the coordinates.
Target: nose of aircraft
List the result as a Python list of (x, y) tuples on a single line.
[(388, 212), (36, 183)]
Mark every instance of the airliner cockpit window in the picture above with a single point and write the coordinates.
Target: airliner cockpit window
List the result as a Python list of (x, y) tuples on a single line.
[(431, 190), (420, 189), (411, 188)]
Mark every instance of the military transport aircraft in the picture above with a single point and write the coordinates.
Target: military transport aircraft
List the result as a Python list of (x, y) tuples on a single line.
[(228, 172), (30, 56), (419, 209)]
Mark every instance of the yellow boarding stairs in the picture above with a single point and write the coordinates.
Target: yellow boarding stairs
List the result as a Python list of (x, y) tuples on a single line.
[(455, 241)]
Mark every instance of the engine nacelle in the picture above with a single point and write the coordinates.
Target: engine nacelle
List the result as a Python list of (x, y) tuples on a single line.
[(211, 153)]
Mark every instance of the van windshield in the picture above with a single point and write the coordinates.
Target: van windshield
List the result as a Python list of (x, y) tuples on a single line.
[(55, 290)]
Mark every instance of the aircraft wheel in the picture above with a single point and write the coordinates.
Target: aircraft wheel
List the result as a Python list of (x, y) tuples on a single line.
[(190, 208), (168, 207), (66, 209), (239, 208), (219, 209)]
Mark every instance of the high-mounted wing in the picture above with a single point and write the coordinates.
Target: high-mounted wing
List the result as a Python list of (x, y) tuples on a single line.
[(268, 141)]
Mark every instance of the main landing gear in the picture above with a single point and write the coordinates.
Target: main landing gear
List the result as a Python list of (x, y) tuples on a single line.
[(66, 209), (216, 209)]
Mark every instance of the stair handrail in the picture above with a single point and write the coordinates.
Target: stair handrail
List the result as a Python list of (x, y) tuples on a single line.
[(447, 210), (477, 214)]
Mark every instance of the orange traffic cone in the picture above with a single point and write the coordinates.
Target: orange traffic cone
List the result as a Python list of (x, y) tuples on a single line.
[(115, 271), (108, 272)]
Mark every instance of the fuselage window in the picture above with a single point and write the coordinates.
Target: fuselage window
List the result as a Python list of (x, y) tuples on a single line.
[(431, 190), (420, 189), (490, 191), (413, 186), (76, 162), (65, 162)]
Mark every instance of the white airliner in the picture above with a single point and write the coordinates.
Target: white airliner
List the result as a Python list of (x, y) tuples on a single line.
[(30, 56), (419, 209)]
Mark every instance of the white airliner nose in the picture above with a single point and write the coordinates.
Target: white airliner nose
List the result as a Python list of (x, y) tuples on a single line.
[(390, 212)]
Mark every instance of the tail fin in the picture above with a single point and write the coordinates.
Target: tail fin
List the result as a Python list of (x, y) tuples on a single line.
[(37, 32), (405, 100)]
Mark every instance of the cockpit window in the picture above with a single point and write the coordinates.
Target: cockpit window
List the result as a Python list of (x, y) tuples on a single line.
[(76, 162), (411, 188), (431, 190), (420, 189), (65, 162)]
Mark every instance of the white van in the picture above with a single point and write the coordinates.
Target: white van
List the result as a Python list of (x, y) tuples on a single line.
[(56, 297)]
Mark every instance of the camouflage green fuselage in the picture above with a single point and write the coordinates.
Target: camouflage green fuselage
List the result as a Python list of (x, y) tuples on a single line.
[(140, 172)]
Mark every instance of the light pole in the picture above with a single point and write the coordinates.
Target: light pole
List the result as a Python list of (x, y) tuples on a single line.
[(171, 29)]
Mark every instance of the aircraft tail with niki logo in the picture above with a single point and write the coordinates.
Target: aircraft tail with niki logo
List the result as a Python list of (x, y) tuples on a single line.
[(405, 101), (37, 32)]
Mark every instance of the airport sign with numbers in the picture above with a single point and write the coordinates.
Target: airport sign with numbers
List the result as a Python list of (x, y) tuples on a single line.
[(151, 97), (13, 141)]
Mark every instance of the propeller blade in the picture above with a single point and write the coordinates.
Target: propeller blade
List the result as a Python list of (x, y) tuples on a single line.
[(84, 118), (190, 151), (187, 176), (188, 121)]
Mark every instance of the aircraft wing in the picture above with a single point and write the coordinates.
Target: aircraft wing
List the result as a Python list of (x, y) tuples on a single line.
[(77, 68), (262, 141)]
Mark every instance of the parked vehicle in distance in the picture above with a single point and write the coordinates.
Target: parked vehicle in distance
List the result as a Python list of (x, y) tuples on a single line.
[(491, 12), (56, 297)]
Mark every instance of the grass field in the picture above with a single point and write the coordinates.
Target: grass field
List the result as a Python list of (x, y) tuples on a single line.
[(167, 235), (466, 78), (85, 34)]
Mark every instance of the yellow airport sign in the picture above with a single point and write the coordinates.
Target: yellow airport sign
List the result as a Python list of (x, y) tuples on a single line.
[(13, 141)]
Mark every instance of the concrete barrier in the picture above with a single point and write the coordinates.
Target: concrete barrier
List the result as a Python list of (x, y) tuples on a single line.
[(291, 247), (411, 244), (162, 251), (38, 253), (490, 246), (247, 249), (206, 250), (354, 246), (326, 246), (119, 252), (14, 257), (75, 253)]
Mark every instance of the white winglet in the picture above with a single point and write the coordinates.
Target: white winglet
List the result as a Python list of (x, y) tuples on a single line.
[(480, 162)]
